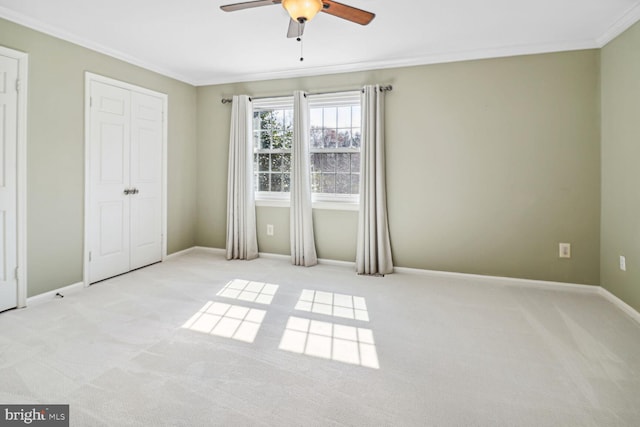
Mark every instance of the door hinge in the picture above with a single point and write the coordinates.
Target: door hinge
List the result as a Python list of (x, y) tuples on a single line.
[(17, 85), (17, 273), (90, 101), (89, 256)]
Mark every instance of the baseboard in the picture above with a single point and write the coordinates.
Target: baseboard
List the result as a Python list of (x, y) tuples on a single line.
[(268, 255), (632, 312), (531, 283), (180, 253), (322, 261), (337, 263), (265, 255), (218, 251), (50, 295), (202, 249)]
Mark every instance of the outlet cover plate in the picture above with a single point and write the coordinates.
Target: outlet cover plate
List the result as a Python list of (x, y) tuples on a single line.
[(564, 250)]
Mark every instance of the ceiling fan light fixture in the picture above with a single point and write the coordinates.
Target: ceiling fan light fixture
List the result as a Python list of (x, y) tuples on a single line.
[(302, 10)]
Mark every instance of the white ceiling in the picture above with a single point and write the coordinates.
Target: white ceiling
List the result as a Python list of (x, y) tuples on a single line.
[(194, 41)]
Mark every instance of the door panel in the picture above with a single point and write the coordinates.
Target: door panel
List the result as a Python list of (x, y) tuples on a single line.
[(113, 216), (149, 156), (110, 145), (146, 177), (3, 129), (8, 181), (112, 148)]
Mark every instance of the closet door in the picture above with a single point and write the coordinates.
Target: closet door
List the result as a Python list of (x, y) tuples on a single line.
[(110, 145), (125, 199), (146, 179)]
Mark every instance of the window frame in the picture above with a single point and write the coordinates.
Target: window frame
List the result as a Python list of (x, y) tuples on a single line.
[(271, 198), (319, 200)]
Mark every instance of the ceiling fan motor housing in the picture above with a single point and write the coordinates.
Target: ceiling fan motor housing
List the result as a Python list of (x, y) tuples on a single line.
[(302, 10)]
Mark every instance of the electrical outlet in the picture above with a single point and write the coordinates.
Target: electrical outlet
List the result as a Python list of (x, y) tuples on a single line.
[(623, 263), (269, 229), (564, 250)]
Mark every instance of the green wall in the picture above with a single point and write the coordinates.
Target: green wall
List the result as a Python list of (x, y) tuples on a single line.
[(55, 152), (490, 164), (621, 166)]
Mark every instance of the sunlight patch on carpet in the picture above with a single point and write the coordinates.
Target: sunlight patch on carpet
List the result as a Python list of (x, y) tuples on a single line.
[(341, 343), (336, 305), (246, 290), (226, 320)]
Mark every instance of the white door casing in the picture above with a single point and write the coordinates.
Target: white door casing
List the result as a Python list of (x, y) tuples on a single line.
[(125, 204), (13, 75), (8, 187)]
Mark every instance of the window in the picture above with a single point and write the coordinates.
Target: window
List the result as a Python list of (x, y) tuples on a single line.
[(272, 136), (335, 146), (335, 137)]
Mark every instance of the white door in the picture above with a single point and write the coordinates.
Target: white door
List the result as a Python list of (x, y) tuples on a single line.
[(110, 206), (125, 201), (8, 181), (146, 179)]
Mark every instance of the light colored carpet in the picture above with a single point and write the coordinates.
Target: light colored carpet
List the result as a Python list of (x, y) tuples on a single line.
[(200, 341)]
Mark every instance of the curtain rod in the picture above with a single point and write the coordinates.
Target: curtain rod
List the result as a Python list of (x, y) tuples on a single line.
[(387, 88)]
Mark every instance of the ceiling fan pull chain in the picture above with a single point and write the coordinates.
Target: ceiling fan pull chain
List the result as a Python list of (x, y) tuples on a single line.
[(301, 46), (301, 51), (300, 40)]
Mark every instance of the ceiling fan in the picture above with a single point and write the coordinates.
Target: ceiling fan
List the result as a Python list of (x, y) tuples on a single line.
[(302, 11)]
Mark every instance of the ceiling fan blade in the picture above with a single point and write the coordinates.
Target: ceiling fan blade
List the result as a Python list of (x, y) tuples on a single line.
[(248, 5), (295, 29), (349, 13)]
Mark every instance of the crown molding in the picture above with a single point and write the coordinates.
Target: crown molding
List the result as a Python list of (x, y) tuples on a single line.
[(434, 58), (40, 26), (630, 17)]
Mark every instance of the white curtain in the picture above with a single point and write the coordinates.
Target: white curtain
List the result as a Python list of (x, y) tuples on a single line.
[(303, 249), (242, 242), (373, 254)]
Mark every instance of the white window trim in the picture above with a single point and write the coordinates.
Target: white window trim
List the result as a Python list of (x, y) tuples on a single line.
[(346, 202), (282, 102), (334, 99), (272, 199)]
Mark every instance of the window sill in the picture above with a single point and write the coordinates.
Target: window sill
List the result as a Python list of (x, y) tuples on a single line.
[(273, 203), (336, 206), (324, 205)]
